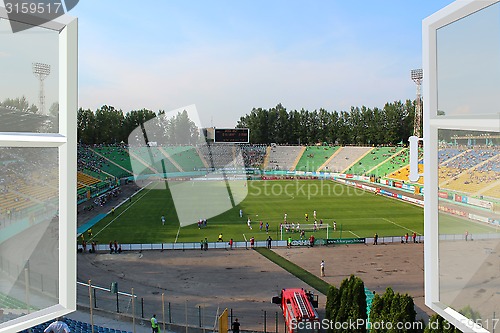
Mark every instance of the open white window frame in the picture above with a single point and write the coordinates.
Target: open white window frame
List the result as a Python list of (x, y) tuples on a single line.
[(432, 123), (65, 140)]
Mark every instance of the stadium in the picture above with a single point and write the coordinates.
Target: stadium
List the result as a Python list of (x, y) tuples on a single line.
[(292, 220), (136, 215)]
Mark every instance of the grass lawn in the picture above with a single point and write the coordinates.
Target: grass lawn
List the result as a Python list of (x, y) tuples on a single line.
[(357, 214), (309, 278)]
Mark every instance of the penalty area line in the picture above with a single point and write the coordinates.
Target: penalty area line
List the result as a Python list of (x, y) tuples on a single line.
[(354, 234), (399, 225)]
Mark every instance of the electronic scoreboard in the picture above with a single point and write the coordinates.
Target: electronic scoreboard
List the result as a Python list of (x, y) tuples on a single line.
[(232, 135)]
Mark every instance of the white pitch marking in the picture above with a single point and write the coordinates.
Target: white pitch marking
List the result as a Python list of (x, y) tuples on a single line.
[(113, 220), (354, 234), (400, 226), (175, 242)]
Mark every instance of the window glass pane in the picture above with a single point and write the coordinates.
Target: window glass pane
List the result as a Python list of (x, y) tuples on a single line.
[(469, 218), (29, 90), (29, 236), (468, 65)]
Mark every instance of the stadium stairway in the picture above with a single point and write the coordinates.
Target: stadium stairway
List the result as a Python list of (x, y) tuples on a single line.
[(203, 160), (455, 157), (356, 161), (381, 163), (462, 173), (170, 159), (299, 155), (329, 160), (266, 158), (487, 188), (140, 160)]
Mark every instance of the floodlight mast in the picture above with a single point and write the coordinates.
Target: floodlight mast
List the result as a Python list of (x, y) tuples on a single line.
[(417, 75), (41, 71)]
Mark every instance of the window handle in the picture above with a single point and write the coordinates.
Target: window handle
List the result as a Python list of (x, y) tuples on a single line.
[(414, 175)]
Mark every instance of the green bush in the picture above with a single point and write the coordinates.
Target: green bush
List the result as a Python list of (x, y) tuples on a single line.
[(347, 304)]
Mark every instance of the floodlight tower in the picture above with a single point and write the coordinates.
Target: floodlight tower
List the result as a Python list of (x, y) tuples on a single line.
[(417, 75), (41, 71)]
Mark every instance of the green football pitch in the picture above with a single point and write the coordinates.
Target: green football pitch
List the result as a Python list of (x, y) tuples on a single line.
[(356, 213)]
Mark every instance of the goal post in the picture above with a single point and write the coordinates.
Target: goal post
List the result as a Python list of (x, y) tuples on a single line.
[(295, 230)]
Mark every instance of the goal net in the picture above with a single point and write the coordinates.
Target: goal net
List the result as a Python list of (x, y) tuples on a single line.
[(297, 230)]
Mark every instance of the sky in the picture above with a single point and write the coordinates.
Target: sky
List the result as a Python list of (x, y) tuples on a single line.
[(227, 57)]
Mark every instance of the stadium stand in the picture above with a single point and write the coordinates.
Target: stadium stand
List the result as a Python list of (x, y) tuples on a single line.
[(90, 160), (28, 180), (376, 157), (492, 191), (446, 154), (84, 180), (76, 326), (345, 157), (186, 158), (403, 174), (297, 159), (314, 157), (13, 120), (117, 154), (450, 170), (475, 171), (253, 155), (283, 157), (147, 160), (8, 302), (393, 164), (221, 155)]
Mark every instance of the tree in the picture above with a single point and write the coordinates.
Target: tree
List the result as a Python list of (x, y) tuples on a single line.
[(21, 104), (396, 309), (54, 110), (134, 119), (347, 305), (181, 130), (108, 125), (85, 120)]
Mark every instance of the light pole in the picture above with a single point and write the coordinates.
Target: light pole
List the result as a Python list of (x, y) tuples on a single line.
[(417, 75), (41, 71)]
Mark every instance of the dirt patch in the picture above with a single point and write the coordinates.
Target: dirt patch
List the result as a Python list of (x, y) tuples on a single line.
[(198, 283)]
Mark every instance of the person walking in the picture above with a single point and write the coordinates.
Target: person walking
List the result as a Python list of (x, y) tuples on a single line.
[(235, 327), (375, 239), (154, 324), (58, 326), (322, 268)]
